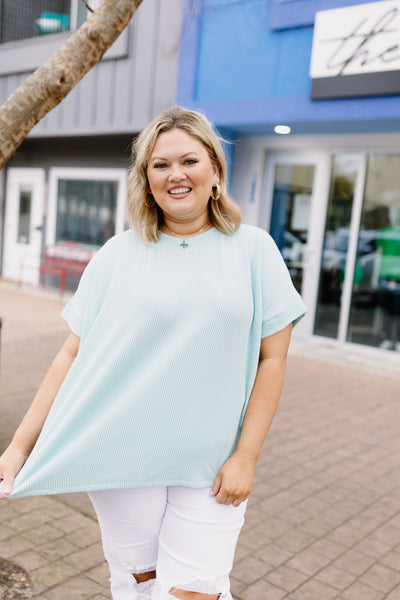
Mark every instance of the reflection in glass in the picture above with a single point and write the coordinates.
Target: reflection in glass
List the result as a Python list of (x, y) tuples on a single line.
[(375, 304), (24, 217), (336, 240), (291, 215)]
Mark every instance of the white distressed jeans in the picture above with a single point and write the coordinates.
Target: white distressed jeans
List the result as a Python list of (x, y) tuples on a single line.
[(181, 533)]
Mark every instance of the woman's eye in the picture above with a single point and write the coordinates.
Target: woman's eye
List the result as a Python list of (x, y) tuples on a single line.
[(159, 165), (191, 161)]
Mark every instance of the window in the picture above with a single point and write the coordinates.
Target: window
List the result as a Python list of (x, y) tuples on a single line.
[(20, 20), (86, 211), (86, 205), (24, 217), (32, 30)]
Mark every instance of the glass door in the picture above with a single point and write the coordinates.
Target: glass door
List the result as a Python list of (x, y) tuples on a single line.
[(296, 193), (336, 221), (374, 317), (290, 216), (359, 283), (337, 263)]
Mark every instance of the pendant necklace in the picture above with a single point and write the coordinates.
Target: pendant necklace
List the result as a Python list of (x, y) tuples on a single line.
[(184, 244)]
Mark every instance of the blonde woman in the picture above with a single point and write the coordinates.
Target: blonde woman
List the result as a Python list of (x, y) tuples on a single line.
[(159, 402)]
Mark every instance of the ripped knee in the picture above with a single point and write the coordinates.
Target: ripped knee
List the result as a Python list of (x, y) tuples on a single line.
[(191, 595), (142, 577)]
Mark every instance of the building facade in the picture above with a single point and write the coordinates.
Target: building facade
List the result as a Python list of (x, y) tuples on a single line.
[(327, 72), (67, 181)]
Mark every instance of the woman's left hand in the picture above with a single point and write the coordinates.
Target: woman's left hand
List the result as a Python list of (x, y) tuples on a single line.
[(234, 481)]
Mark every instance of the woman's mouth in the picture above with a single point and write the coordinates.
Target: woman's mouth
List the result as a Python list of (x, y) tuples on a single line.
[(179, 192)]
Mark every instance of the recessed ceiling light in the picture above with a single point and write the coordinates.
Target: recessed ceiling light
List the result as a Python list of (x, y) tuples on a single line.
[(282, 129)]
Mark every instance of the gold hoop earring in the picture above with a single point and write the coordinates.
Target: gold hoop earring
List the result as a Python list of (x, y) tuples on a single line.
[(150, 205), (216, 192)]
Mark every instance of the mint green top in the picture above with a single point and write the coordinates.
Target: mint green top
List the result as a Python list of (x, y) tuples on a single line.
[(170, 341)]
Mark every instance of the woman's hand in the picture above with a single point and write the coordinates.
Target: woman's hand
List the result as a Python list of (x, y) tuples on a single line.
[(234, 481), (11, 463)]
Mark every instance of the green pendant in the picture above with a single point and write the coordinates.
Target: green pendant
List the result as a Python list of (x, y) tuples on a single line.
[(184, 244)]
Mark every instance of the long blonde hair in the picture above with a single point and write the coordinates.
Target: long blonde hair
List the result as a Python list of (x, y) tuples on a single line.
[(145, 215)]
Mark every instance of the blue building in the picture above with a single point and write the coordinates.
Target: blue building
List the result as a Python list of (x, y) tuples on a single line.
[(308, 91)]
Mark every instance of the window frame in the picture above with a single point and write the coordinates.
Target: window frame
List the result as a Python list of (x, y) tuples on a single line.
[(86, 174)]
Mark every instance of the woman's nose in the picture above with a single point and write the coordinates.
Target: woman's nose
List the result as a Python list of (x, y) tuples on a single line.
[(176, 173)]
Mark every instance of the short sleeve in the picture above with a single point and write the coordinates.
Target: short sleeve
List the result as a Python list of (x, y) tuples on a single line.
[(281, 303), (82, 309)]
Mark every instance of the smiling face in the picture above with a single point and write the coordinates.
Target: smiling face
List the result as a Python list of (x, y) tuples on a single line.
[(181, 176)]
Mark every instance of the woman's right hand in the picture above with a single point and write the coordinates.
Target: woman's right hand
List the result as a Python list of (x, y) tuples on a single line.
[(11, 463)]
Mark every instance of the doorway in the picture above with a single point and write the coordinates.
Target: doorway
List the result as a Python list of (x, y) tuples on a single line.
[(336, 220), (23, 224)]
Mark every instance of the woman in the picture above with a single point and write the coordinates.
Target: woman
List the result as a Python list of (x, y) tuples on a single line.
[(160, 400)]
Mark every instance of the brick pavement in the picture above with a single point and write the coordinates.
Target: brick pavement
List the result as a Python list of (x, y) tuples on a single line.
[(323, 521)]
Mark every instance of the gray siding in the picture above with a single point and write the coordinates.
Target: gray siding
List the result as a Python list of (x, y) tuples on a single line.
[(134, 82)]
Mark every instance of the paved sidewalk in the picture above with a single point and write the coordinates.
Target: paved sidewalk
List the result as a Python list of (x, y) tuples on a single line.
[(323, 521)]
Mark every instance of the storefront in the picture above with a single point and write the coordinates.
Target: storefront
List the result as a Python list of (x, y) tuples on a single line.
[(74, 208), (64, 189), (329, 191), (334, 211)]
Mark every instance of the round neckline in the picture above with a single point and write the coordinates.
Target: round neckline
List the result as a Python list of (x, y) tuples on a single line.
[(190, 239)]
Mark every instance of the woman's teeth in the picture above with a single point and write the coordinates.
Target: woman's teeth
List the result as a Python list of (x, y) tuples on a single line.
[(182, 190)]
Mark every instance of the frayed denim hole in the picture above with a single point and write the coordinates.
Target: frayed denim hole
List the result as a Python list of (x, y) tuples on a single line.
[(194, 588), (142, 572), (145, 588), (204, 587)]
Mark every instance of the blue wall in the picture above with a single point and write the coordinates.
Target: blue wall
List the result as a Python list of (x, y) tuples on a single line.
[(245, 63), (296, 13), (241, 56)]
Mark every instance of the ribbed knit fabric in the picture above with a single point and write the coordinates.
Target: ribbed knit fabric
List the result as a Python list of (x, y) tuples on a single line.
[(170, 341)]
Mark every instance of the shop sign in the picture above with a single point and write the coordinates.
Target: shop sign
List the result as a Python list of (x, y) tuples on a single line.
[(356, 51)]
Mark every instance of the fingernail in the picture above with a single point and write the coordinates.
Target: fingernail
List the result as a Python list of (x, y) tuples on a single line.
[(6, 490), (211, 493)]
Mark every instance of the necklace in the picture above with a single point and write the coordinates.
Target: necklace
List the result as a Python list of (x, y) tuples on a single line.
[(184, 244)]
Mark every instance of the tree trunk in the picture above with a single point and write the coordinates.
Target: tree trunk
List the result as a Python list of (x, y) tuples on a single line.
[(51, 82)]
